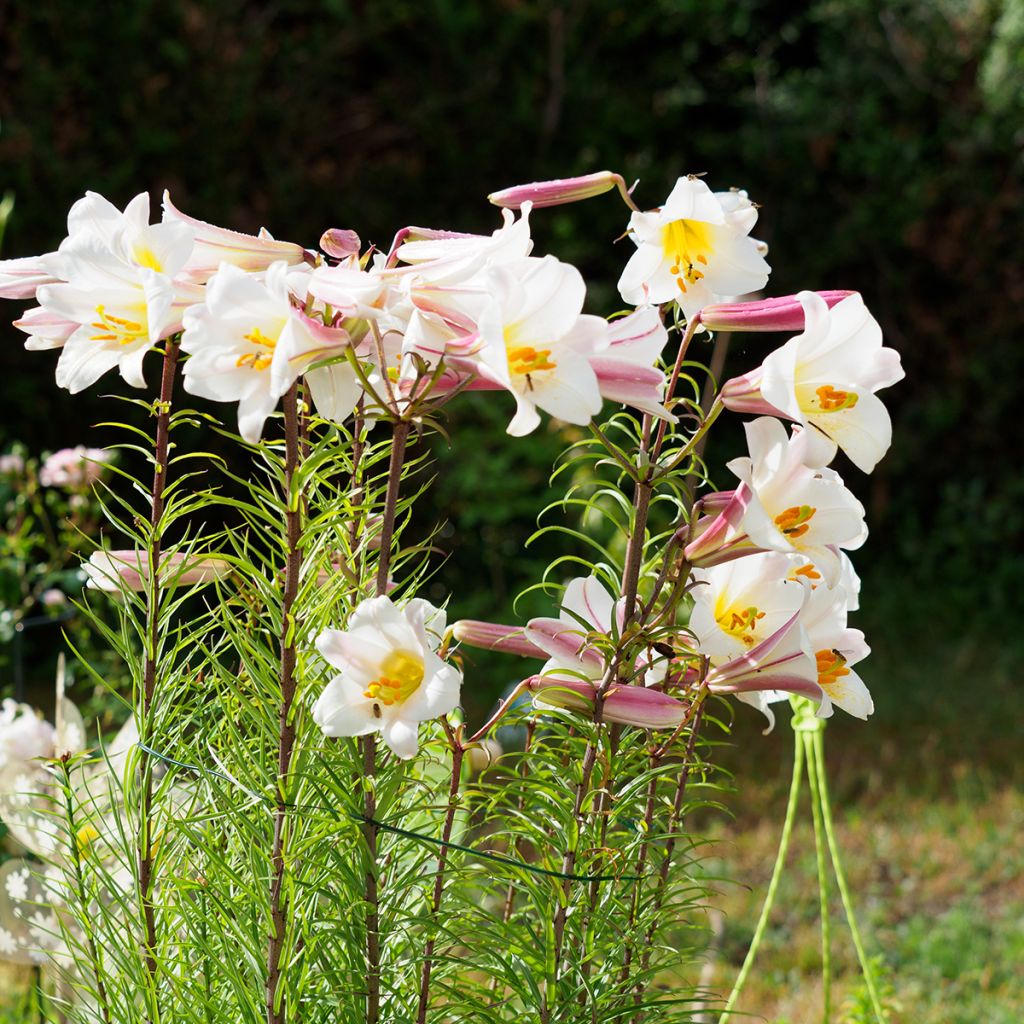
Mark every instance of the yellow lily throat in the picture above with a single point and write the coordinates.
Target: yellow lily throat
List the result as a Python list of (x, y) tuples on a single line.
[(831, 399), (116, 328), (258, 360), (687, 243), (401, 673), (795, 521), (741, 623)]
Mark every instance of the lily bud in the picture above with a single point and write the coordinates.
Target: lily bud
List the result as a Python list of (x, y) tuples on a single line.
[(115, 571), (559, 191), (491, 636), (784, 313), (339, 243), (627, 705)]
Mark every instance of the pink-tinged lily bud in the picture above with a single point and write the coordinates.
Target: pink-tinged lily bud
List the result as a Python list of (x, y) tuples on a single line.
[(115, 571), (718, 536), (784, 313), (641, 706), (340, 243), (216, 245), (559, 191), (491, 636), (19, 278)]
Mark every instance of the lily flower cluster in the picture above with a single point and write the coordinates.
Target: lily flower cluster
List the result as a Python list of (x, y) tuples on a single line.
[(441, 312)]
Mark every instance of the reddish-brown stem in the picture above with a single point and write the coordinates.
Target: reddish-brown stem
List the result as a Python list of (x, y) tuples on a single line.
[(442, 862), (368, 744), (276, 998), (672, 826), (145, 838)]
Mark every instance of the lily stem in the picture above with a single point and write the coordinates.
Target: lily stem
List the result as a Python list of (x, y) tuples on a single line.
[(442, 863), (144, 837), (276, 1001), (368, 744), (820, 854)]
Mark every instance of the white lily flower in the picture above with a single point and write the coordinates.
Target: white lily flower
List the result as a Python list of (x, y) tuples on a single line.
[(825, 379), (391, 677), (836, 648), (537, 341), (248, 343), (117, 286), (792, 507), (739, 604), (694, 249)]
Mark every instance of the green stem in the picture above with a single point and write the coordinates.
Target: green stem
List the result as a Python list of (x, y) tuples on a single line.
[(773, 885), (818, 742), (820, 849)]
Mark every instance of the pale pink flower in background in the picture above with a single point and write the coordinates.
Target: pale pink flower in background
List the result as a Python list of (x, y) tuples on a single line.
[(216, 245), (391, 677), (11, 464), (694, 249), (53, 598), (826, 379), (74, 468)]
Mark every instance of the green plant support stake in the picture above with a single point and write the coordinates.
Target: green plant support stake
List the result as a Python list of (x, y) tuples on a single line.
[(773, 884)]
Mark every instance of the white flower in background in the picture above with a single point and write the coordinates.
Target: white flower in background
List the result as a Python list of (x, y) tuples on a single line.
[(694, 249), (826, 379), (791, 506), (537, 341), (74, 468), (215, 245), (115, 572), (391, 678), (117, 286), (23, 734), (248, 343)]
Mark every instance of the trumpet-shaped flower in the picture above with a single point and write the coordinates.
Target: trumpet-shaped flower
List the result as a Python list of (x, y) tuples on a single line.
[(117, 286), (741, 603), (826, 379), (783, 313), (248, 343), (694, 249), (391, 677), (20, 278), (537, 342), (836, 649), (782, 504)]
